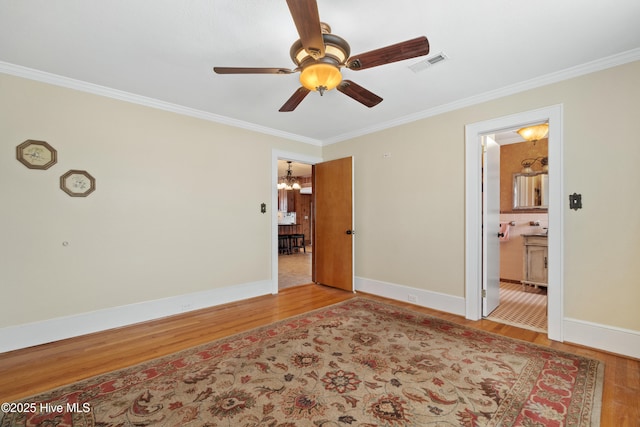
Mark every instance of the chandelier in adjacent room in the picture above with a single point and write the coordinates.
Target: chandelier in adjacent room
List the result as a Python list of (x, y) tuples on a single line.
[(288, 181)]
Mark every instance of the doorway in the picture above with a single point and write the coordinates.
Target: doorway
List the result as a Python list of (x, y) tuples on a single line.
[(277, 155), (474, 220), (295, 223), (517, 192), (332, 217)]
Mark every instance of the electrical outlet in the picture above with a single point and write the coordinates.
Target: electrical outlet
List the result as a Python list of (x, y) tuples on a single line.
[(186, 307), (412, 298)]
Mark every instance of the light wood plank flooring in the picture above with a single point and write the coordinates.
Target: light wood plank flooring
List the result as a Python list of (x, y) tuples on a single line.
[(33, 370), (294, 269)]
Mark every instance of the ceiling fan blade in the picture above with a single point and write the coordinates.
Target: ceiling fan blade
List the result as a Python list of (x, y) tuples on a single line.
[(359, 93), (295, 99), (307, 19), (250, 70), (386, 55)]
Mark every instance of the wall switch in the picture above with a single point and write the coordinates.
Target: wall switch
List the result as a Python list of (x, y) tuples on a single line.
[(575, 201)]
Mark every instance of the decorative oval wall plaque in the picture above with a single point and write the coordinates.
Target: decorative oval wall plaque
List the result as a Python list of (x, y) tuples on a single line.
[(77, 183), (36, 154)]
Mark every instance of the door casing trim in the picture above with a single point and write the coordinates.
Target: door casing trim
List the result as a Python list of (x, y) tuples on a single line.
[(473, 210)]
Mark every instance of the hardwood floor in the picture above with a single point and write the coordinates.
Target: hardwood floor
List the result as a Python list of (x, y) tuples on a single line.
[(33, 370)]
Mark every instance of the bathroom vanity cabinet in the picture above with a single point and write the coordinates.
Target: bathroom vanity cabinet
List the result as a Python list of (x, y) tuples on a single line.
[(535, 262)]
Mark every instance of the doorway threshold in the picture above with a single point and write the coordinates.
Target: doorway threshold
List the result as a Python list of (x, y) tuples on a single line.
[(525, 309)]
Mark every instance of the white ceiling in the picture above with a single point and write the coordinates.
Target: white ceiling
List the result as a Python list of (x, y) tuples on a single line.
[(161, 52)]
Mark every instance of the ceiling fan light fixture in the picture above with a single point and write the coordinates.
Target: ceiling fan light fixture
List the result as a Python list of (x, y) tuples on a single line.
[(319, 56), (534, 133), (333, 53), (336, 49), (321, 74), (320, 77), (337, 52)]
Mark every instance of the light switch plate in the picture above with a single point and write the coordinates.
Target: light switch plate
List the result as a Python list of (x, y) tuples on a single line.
[(575, 201)]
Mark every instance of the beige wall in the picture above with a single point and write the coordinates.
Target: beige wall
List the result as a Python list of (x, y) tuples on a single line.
[(410, 206), (164, 220), (176, 209), (409, 215)]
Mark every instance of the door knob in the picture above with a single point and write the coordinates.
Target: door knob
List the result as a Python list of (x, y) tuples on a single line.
[(351, 232)]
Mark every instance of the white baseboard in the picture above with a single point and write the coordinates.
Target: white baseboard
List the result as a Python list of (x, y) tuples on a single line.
[(615, 340), (30, 334), (621, 341), (608, 338), (423, 298)]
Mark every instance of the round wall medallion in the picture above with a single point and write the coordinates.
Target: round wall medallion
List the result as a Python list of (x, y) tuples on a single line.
[(77, 183), (36, 154)]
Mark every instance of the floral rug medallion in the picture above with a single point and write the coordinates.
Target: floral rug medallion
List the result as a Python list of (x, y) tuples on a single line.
[(357, 363)]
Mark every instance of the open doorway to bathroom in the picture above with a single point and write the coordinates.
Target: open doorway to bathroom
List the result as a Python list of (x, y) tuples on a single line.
[(294, 223), (523, 228), (553, 115)]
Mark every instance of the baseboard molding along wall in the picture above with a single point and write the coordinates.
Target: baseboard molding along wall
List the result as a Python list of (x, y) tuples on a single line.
[(602, 337), (608, 338), (421, 297), (615, 340), (30, 334)]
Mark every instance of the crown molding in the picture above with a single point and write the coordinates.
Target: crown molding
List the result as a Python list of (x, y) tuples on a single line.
[(569, 73), (57, 80), (566, 74)]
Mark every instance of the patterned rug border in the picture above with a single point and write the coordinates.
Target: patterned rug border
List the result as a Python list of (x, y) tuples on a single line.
[(291, 322)]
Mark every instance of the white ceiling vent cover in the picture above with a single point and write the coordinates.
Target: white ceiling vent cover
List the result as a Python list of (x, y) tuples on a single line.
[(423, 65)]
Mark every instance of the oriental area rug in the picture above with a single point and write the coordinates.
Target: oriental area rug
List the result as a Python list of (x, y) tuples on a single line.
[(357, 363)]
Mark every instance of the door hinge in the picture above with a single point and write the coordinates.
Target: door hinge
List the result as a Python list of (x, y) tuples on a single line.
[(484, 293)]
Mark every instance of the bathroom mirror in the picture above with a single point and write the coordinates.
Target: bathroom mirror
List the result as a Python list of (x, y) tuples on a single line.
[(531, 190)]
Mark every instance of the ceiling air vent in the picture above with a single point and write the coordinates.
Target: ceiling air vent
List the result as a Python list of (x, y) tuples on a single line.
[(423, 65)]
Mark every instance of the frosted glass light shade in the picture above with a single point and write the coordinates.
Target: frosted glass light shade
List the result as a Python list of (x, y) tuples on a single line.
[(534, 133), (320, 76)]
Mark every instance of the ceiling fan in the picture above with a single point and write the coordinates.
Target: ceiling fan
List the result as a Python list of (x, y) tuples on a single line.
[(319, 56)]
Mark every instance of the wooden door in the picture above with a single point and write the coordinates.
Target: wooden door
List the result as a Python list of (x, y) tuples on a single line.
[(333, 223)]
